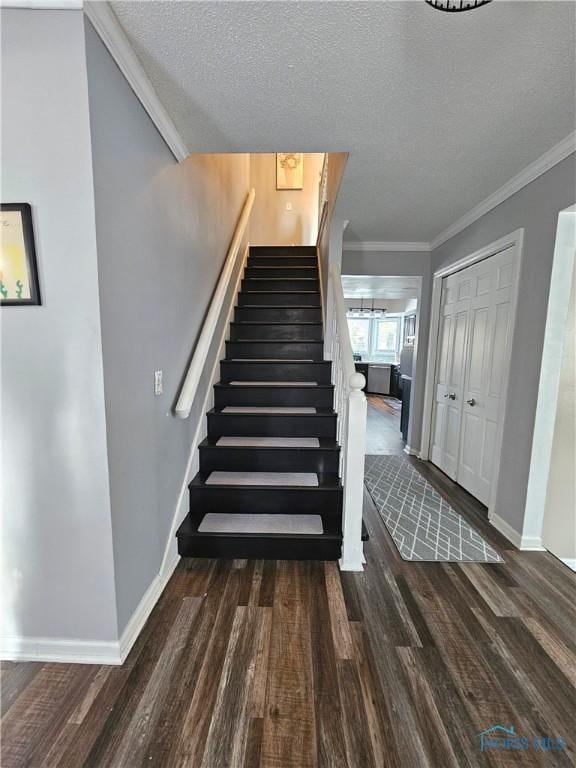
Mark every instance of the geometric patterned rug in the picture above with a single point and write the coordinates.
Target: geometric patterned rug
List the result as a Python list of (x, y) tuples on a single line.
[(422, 524)]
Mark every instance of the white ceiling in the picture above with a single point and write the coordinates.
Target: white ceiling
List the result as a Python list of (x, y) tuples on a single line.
[(380, 287), (437, 110)]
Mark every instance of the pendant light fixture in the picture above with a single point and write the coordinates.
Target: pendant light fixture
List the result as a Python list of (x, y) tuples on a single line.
[(376, 312), (362, 311)]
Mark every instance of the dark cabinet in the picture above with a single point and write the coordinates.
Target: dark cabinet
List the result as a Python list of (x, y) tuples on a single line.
[(405, 413), (395, 382)]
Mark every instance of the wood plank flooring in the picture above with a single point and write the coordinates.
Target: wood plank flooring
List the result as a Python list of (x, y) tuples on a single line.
[(383, 426), (280, 663)]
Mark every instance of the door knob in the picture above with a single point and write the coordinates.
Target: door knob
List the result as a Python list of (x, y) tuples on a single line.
[(451, 395), (471, 401)]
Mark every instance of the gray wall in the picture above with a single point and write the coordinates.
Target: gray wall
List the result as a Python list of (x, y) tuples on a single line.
[(57, 564), (403, 263), (163, 230), (534, 208)]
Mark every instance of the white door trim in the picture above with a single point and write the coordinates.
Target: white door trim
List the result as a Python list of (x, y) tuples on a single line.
[(514, 239), (548, 388)]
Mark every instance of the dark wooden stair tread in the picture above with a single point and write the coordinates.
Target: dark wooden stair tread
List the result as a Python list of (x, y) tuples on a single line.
[(325, 444), (266, 384), (319, 412), (325, 482)]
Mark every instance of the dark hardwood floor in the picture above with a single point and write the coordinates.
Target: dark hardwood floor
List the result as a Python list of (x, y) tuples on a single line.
[(383, 426), (283, 663)]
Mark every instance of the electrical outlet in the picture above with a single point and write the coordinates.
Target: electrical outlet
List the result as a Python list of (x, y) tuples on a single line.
[(288, 206), (158, 386)]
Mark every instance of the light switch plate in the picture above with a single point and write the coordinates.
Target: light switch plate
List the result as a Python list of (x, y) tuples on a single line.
[(288, 206), (158, 386)]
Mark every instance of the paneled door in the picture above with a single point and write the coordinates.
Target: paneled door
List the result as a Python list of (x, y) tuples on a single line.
[(450, 369), (473, 350)]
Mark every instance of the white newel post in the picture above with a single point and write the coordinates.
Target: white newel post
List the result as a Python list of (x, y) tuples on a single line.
[(350, 405), (352, 548)]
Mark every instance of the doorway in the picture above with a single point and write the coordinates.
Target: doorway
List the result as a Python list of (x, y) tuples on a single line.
[(382, 313), (473, 314), (550, 498)]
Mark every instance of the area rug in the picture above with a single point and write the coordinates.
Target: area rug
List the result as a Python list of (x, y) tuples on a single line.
[(422, 524)]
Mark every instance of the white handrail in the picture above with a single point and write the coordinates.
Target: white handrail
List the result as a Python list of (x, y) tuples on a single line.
[(350, 404), (323, 185), (188, 391)]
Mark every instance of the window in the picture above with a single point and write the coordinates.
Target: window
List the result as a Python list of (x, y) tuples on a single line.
[(376, 338), (359, 329), (387, 333)]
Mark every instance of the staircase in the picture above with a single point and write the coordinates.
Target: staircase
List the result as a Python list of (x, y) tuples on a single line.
[(268, 485)]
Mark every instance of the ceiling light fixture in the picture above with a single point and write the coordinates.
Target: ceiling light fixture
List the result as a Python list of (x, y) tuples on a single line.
[(366, 312), (455, 6), (376, 312)]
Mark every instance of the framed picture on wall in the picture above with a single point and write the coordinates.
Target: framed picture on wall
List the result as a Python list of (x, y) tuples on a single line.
[(18, 268), (289, 170)]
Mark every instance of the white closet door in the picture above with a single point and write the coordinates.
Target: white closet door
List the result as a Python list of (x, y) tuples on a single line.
[(489, 325), (473, 349), (450, 369)]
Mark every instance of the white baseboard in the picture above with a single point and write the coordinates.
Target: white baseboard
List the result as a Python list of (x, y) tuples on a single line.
[(525, 543), (411, 451), (144, 609), (58, 650), (570, 562), (52, 649)]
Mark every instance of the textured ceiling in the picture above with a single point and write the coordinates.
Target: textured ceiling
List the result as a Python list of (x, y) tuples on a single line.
[(436, 110), (380, 287)]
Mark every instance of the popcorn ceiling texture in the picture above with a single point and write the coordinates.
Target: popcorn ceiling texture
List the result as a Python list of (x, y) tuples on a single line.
[(437, 110)]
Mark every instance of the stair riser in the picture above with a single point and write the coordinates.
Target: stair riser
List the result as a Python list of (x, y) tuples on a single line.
[(282, 284), (302, 397), (271, 425), (276, 332), (280, 299), (215, 458), (283, 251), (231, 370), (279, 314), (289, 272), (282, 261), (258, 548), (261, 501), (274, 350)]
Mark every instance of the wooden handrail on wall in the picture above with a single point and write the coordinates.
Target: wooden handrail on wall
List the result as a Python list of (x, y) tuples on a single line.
[(190, 386)]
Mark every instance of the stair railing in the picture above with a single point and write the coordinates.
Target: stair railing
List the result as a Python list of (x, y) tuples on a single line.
[(350, 404), (322, 190), (190, 385)]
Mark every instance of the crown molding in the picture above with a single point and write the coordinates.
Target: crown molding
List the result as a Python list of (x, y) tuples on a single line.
[(114, 38), (546, 161), (385, 246)]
